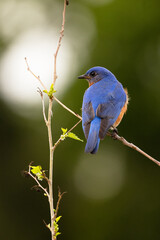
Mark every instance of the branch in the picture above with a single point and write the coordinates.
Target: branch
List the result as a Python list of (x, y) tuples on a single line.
[(48, 123), (44, 189), (59, 42), (131, 145), (43, 106), (37, 77), (68, 109), (51, 168), (51, 192), (60, 195)]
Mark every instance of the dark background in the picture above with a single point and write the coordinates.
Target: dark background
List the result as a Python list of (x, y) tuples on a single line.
[(116, 193)]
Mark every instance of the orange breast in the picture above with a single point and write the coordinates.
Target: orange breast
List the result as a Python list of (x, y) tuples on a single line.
[(123, 111)]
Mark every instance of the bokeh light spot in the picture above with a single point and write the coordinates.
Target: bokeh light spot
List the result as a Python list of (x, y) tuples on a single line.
[(18, 86), (100, 177)]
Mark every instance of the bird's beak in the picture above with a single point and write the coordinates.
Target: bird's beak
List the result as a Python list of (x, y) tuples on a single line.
[(84, 77)]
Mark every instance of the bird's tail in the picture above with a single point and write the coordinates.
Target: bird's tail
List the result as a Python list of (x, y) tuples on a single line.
[(93, 137)]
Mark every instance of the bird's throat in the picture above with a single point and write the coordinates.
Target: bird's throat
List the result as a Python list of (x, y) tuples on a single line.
[(91, 83)]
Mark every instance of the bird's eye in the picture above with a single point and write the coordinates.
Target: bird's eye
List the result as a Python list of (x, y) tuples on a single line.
[(93, 73)]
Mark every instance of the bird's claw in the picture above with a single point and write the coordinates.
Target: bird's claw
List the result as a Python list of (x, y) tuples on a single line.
[(114, 133), (115, 130)]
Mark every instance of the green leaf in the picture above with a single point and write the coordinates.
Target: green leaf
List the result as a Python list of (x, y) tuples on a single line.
[(58, 233), (48, 226), (37, 170), (64, 130), (51, 91), (45, 91), (56, 227), (58, 218), (64, 135), (72, 135)]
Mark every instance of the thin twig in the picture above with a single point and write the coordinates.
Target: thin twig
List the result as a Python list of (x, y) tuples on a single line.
[(47, 226), (59, 43), (68, 109), (37, 77), (59, 140), (60, 195), (43, 106), (30, 174), (131, 145), (74, 126)]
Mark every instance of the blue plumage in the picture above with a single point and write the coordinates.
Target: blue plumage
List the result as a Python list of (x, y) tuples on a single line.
[(102, 104)]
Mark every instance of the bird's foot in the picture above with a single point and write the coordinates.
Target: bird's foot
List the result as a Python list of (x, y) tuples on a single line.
[(114, 133)]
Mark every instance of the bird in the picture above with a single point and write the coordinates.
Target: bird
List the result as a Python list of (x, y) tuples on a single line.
[(104, 104)]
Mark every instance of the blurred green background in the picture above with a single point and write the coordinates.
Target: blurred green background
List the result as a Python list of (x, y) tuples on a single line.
[(115, 194)]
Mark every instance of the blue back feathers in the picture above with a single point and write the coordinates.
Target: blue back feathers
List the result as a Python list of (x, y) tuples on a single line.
[(102, 104)]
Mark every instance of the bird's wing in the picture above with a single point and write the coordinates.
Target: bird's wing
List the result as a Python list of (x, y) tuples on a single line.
[(87, 116), (109, 111)]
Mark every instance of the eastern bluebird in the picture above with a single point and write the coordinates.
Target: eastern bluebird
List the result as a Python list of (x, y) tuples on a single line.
[(104, 104)]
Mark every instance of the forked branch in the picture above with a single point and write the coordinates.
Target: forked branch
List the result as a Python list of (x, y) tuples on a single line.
[(44, 87), (38, 183), (37, 77), (60, 139)]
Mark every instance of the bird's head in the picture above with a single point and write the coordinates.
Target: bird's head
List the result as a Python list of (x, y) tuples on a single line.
[(95, 74)]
